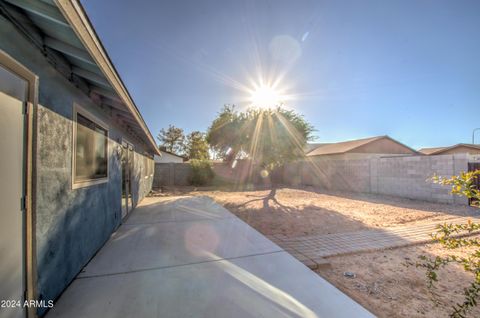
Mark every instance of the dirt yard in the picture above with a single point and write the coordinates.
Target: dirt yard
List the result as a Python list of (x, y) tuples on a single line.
[(383, 283), (388, 288), (299, 212)]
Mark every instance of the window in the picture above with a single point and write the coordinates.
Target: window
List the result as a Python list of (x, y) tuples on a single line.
[(90, 151)]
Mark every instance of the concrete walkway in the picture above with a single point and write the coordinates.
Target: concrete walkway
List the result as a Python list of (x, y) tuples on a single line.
[(312, 249), (189, 257)]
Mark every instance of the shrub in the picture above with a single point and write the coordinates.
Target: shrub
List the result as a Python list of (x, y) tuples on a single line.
[(454, 236), (201, 172)]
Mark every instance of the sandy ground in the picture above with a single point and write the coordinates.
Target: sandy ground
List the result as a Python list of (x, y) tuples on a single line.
[(298, 212), (388, 288), (383, 284)]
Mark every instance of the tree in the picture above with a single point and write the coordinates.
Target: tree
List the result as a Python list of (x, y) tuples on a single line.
[(196, 146), (172, 139), (224, 133), (270, 137), (452, 236)]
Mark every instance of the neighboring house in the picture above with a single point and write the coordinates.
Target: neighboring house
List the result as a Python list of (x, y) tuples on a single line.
[(310, 146), (168, 157), (76, 154), (458, 148), (361, 148)]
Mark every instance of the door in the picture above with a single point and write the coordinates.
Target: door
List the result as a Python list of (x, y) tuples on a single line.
[(13, 98), (130, 173), (127, 169), (125, 180)]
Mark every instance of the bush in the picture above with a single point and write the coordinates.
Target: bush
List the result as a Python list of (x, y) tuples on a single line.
[(454, 236), (201, 172)]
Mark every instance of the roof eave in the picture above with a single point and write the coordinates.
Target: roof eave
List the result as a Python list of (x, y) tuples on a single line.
[(74, 13)]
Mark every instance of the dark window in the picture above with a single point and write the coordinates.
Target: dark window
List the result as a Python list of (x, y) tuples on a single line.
[(91, 150)]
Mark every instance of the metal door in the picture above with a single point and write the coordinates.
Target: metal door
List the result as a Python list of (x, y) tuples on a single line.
[(13, 97)]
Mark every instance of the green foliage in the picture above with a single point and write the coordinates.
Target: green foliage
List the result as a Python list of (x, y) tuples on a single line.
[(201, 172), (196, 146), (224, 134), (453, 236), (271, 137), (172, 139), (462, 185)]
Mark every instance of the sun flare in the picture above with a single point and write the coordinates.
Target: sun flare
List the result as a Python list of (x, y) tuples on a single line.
[(265, 97)]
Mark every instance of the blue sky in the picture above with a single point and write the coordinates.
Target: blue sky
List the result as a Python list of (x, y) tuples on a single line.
[(408, 68)]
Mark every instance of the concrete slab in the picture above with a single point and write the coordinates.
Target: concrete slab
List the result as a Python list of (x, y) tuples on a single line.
[(207, 265), (270, 285), (165, 244), (155, 210)]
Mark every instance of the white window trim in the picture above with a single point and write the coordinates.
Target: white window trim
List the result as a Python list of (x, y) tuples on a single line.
[(77, 109)]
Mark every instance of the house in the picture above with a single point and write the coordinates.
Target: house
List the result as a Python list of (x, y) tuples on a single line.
[(168, 157), (361, 148), (458, 148), (77, 155)]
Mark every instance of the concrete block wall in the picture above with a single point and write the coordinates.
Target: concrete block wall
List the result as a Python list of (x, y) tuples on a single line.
[(333, 174), (407, 176), (178, 174), (171, 174)]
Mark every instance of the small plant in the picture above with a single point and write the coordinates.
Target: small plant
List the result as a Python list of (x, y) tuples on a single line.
[(201, 172), (453, 236)]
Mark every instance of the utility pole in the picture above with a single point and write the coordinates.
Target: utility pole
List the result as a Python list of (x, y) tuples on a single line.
[(473, 135)]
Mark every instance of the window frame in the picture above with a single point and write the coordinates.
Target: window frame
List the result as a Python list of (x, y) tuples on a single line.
[(77, 109)]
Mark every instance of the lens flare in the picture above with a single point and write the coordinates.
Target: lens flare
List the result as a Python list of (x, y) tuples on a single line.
[(265, 97)]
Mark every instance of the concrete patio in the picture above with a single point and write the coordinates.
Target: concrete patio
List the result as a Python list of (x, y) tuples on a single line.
[(190, 257)]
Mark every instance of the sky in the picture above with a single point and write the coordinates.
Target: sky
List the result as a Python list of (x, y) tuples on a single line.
[(409, 69)]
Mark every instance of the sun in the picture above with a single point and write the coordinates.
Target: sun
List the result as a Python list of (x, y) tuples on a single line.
[(265, 97)]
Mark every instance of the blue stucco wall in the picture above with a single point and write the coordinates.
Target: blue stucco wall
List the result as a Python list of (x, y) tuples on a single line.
[(71, 224)]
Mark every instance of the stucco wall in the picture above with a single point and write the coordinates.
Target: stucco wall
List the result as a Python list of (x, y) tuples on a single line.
[(71, 224), (384, 145)]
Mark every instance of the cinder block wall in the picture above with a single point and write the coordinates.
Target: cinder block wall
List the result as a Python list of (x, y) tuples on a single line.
[(408, 177), (171, 174), (178, 174)]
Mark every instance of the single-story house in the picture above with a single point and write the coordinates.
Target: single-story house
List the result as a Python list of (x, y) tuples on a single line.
[(77, 155), (458, 148), (168, 157), (360, 148)]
